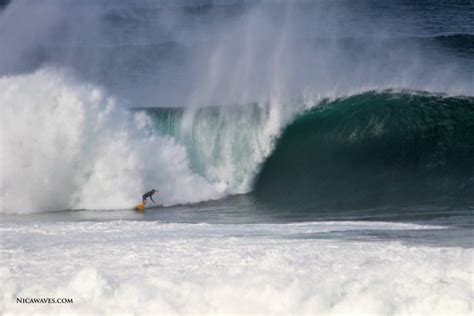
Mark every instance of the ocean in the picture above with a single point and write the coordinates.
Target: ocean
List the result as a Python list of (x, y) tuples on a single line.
[(311, 157)]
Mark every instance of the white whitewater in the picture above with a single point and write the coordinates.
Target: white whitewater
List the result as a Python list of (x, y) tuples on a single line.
[(129, 267), (66, 145)]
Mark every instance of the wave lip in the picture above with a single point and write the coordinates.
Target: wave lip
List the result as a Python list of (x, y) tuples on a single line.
[(372, 149)]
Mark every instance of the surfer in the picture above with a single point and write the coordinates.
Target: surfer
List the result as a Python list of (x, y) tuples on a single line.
[(149, 194)]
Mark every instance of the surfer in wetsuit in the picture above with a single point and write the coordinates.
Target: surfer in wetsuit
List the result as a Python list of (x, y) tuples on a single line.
[(149, 195)]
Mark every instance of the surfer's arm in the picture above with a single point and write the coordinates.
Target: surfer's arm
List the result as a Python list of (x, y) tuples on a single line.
[(151, 198)]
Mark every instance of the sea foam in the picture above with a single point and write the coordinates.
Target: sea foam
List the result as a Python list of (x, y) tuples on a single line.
[(128, 267), (68, 145)]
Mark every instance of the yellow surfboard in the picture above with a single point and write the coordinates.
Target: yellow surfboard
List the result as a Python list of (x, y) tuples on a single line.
[(140, 208)]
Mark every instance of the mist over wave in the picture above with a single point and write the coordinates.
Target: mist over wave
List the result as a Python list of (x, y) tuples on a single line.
[(169, 53)]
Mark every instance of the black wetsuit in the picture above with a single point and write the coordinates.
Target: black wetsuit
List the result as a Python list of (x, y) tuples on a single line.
[(148, 195)]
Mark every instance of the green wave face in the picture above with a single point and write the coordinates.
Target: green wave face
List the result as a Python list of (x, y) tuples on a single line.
[(225, 144), (374, 149)]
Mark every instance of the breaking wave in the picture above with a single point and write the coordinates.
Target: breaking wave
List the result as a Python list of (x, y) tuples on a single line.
[(67, 145)]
